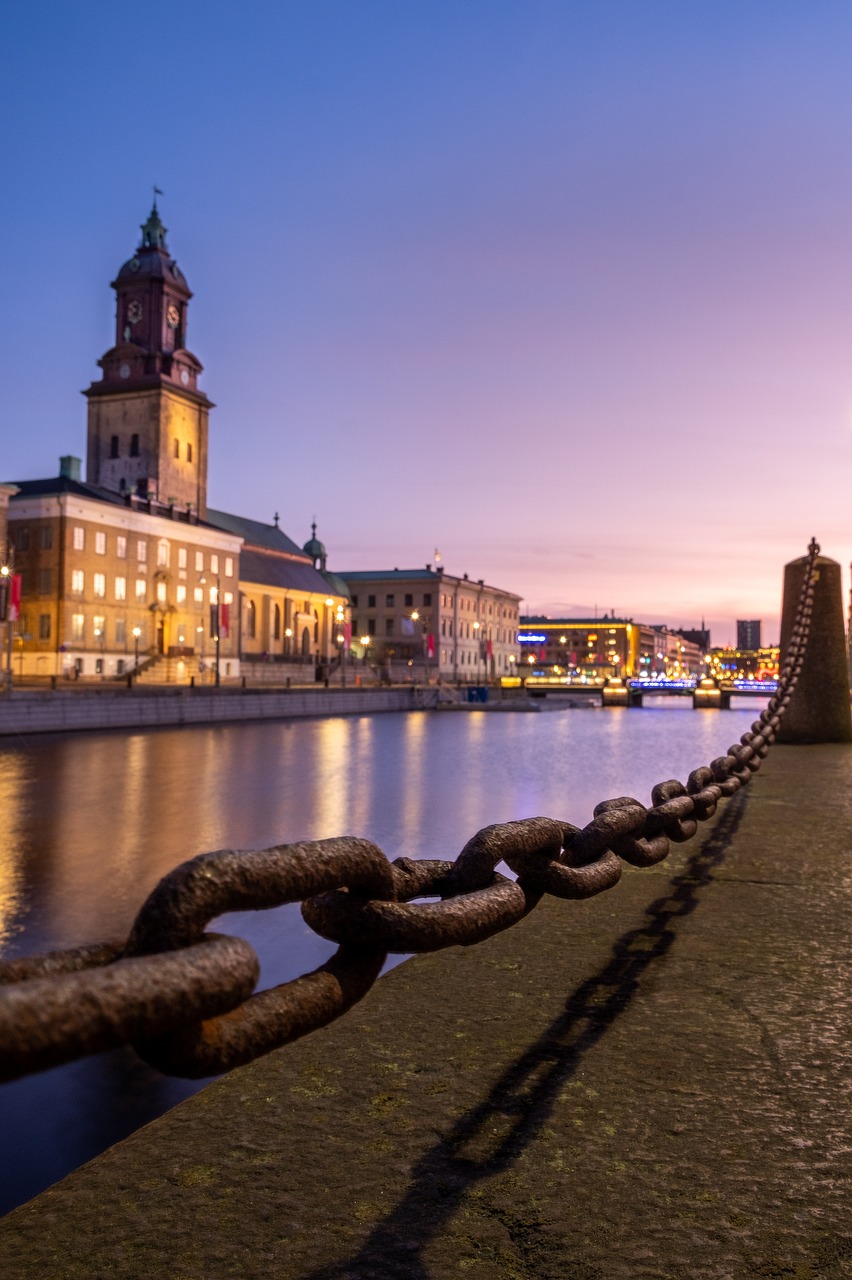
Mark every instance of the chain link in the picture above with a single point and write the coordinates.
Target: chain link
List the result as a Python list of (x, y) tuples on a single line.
[(185, 998)]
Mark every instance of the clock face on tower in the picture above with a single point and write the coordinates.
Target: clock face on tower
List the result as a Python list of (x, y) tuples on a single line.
[(134, 311), (173, 316)]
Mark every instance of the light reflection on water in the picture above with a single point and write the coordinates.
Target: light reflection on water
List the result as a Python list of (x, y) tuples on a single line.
[(92, 822)]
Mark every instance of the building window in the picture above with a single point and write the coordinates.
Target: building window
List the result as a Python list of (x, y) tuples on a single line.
[(389, 601), (228, 597), (134, 445), (355, 605), (163, 553), (44, 581), (371, 626), (181, 593), (409, 599), (214, 564), (120, 631), (100, 543), (99, 584), (276, 623), (141, 589), (141, 551), (199, 562), (78, 625), (427, 598), (371, 602), (251, 620), (389, 626), (113, 446), (181, 557), (161, 592), (44, 626), (177, 448), (121, 547), (229, 567), (46, 537), (189, 453), (22, 539), (78, 581), (121, 588), (79, 537), (198, 595)]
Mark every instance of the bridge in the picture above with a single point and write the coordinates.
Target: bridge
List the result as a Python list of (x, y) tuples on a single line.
[(706, 692), (641, 1084)]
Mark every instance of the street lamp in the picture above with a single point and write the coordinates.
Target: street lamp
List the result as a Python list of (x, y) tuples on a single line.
[(365, 644), (99, 635), (478, 648), (137, 631), (6, 574)]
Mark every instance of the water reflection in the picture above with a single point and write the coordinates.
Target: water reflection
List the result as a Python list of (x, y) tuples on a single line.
[(92, 822)]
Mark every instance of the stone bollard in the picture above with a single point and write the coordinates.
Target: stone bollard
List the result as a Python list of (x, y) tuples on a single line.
[(819, 708)]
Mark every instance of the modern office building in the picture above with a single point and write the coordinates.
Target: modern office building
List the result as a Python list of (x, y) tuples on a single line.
[(748, 634)]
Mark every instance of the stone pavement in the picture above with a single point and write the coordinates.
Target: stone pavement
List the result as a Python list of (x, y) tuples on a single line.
[(655, 1083)]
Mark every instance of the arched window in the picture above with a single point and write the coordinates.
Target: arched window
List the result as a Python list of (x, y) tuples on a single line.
[(113, 446), (276, 622), (251, 620), (306, 642)]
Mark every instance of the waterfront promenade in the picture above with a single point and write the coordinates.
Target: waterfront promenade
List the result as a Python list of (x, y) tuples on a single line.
[(653, 1083)]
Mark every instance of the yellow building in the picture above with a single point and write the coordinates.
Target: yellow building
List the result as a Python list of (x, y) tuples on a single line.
[(128, 569)]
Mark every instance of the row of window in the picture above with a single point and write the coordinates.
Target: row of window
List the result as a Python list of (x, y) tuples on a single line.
[(408, 600), (99, 583), (464, 603), (133, 451), (20, 538)]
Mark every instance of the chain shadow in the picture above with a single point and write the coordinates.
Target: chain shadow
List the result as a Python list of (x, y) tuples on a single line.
[(522, 1099)]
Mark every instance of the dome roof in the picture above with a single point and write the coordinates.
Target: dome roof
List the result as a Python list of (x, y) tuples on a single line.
[(313, 547)]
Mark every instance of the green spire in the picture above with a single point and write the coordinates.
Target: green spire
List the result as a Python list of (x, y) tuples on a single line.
[(153, 231)]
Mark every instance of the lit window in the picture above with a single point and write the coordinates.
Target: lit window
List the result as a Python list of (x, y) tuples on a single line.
[(163, 552), (229, 597), (181, 593), (214, 564), (77, 579), (120, 631), (199, 562), (229, 567), (161, 592), (121, 588), (198, 595), (78, 623), (121, 547), (99, 584), (141, 551), (181, 557), (100, 543), (79, 538), (141, 589)]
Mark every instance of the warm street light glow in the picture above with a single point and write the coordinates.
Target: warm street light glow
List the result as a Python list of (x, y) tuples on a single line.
[(136, 632), (415, 615), (365, 640), (289, 633), (329, 602)]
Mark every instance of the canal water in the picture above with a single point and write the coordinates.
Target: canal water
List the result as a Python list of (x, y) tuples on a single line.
[(91, 822)]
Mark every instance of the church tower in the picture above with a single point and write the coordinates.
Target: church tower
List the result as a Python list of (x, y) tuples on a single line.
[(148, 422)]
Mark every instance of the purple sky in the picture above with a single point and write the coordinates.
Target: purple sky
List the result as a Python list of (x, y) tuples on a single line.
[(561, 289)]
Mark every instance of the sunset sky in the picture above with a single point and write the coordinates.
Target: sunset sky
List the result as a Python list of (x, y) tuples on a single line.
[(561, 289)]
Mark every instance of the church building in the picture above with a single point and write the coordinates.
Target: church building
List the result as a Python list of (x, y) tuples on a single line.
[(129, 570)]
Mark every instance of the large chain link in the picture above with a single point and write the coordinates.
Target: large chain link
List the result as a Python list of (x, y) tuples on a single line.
[(185, 998)]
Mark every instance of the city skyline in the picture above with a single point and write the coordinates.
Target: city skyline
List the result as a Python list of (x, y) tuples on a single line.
[(563, 294)]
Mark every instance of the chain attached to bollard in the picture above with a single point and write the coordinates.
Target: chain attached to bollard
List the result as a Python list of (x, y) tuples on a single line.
[(185, 998)]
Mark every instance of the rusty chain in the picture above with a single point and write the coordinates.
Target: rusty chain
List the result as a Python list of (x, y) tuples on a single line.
[(185, 998)]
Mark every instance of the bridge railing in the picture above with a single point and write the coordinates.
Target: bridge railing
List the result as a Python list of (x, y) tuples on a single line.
[(185, 998)]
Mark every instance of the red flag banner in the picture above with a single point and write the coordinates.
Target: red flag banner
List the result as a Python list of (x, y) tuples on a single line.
[(15, 598), (430, 645), (225, 620)]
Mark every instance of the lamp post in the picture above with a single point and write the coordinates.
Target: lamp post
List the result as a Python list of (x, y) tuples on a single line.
[(340, 621), (6, 574), (478, 648), (137, 631), (99, 635), (365, 644)]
